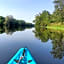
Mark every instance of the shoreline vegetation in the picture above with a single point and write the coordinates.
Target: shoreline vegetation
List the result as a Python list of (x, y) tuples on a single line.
[(51, 27), (10, 21), (51, 21), (56, 26), (9, 24)]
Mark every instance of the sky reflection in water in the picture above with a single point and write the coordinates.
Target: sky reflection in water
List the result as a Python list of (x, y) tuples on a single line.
[(10, 44)]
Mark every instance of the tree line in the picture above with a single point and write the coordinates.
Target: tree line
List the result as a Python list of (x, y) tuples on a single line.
[(10, 22), (45, 18)]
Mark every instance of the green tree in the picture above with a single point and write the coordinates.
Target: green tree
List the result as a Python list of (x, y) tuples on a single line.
[(59, 4), (42, 19), (2, 19)]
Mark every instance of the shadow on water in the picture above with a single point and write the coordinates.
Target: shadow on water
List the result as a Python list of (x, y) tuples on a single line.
[(57, 38)]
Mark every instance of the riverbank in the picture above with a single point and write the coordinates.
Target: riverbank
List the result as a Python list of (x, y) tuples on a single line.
[(56, 26)]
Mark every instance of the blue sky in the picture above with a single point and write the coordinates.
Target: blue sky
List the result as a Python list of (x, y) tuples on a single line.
[(25, 9)]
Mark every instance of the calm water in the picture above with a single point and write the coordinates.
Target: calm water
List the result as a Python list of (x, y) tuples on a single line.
[(41, 51)]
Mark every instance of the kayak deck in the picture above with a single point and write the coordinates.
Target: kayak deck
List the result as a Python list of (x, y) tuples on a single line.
[(28, 59)]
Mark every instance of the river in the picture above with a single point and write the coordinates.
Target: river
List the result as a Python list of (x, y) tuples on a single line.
[(41, 51)]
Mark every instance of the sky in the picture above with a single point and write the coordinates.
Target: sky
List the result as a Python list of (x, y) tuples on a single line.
[(25, 9)]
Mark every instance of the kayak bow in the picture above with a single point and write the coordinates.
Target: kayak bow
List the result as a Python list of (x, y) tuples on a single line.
[(23, 56)]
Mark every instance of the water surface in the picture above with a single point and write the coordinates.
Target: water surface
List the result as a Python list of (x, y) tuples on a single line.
[(40, 50)]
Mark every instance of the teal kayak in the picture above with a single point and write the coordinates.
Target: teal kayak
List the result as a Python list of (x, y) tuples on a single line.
[(23, 56)]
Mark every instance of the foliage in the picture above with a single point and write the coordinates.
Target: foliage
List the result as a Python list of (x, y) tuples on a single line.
[(59, 4), (45, 18), (2, 19), (57, 38), (42, 18), (8, 24)]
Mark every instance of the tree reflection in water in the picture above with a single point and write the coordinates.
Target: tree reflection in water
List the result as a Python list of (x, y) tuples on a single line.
[(10, 30), (57, 38)]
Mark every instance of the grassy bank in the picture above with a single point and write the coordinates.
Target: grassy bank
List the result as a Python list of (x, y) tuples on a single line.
[(56, 27)]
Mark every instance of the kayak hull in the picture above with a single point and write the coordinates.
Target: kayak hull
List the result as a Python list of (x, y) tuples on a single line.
[(25, 60)]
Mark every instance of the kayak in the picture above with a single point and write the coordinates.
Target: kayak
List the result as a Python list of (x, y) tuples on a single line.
[(23, 56)]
